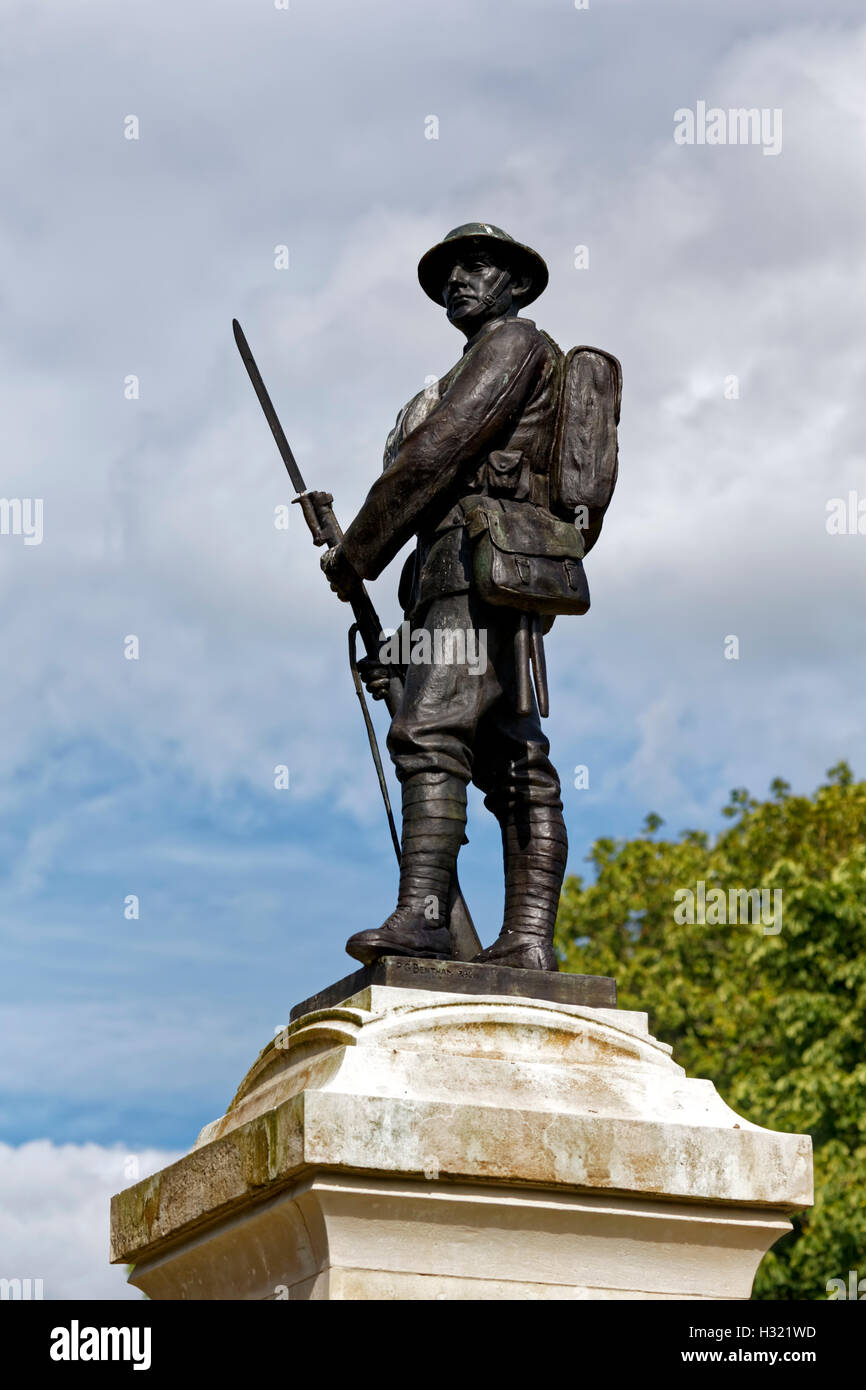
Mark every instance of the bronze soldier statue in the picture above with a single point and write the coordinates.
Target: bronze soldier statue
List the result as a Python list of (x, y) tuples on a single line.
[(502, 472)]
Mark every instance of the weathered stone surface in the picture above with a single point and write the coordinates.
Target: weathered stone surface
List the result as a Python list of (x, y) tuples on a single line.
[(349, 1237), (565, 1140), (462, 977)]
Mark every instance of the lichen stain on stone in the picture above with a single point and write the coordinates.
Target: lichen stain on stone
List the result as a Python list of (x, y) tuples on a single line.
[(150, 1212), (138, 1207)]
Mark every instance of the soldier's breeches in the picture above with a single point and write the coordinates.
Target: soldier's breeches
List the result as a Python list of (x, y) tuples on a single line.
[(457, 716)]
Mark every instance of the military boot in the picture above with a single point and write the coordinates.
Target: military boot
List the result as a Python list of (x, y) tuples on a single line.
[(434, 819), (535, 848)]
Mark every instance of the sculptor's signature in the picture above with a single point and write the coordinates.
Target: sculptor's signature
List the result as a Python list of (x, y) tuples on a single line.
[(415, 968)]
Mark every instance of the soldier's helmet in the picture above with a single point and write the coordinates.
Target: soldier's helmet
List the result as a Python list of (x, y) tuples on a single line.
[(436, 265)]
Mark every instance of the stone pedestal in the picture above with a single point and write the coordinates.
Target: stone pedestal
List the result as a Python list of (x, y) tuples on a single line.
[(422, 1143)]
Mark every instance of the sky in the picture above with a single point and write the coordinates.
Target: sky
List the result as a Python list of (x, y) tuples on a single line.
[(728, 279)]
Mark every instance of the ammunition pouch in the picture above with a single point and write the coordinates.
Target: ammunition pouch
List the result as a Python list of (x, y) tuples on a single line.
[(526, 558)]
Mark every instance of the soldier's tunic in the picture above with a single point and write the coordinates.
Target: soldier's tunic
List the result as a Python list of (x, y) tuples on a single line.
[(486, 428)]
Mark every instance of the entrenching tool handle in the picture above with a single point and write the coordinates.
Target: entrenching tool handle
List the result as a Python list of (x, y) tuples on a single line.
[(521, 664), (539, 665), (529, 653)]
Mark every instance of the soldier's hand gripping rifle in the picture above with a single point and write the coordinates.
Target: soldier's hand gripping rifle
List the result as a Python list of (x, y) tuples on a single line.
[(319, 515)]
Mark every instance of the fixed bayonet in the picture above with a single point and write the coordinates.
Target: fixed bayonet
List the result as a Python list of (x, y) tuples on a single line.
[(267, 406)]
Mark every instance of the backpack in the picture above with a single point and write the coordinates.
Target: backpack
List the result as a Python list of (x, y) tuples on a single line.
[(583, 470)]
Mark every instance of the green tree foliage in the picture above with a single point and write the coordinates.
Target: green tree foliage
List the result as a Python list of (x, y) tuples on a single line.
[(777, 1021)]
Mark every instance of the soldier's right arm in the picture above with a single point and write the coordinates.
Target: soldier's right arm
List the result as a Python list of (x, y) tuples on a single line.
[(490, 390)]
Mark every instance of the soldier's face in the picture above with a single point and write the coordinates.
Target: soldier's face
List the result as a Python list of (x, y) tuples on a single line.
[(473, 276)]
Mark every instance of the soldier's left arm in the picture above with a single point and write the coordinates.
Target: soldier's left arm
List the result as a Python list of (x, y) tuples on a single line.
[(489, 391)]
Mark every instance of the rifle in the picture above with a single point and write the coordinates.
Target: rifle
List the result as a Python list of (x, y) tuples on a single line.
[(317, 508)]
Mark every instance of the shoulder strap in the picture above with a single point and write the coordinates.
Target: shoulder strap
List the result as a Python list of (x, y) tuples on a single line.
[(539, 481)]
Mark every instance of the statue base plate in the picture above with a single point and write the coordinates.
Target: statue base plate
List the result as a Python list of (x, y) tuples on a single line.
[(461, 977)]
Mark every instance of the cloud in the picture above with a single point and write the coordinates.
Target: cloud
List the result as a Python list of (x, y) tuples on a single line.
[(54, 1215)]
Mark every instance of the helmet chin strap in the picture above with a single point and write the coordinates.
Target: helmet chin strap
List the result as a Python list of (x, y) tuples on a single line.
[(495, 290)]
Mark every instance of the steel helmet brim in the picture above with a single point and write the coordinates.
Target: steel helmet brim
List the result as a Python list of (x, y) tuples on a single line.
[(436, 264)]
